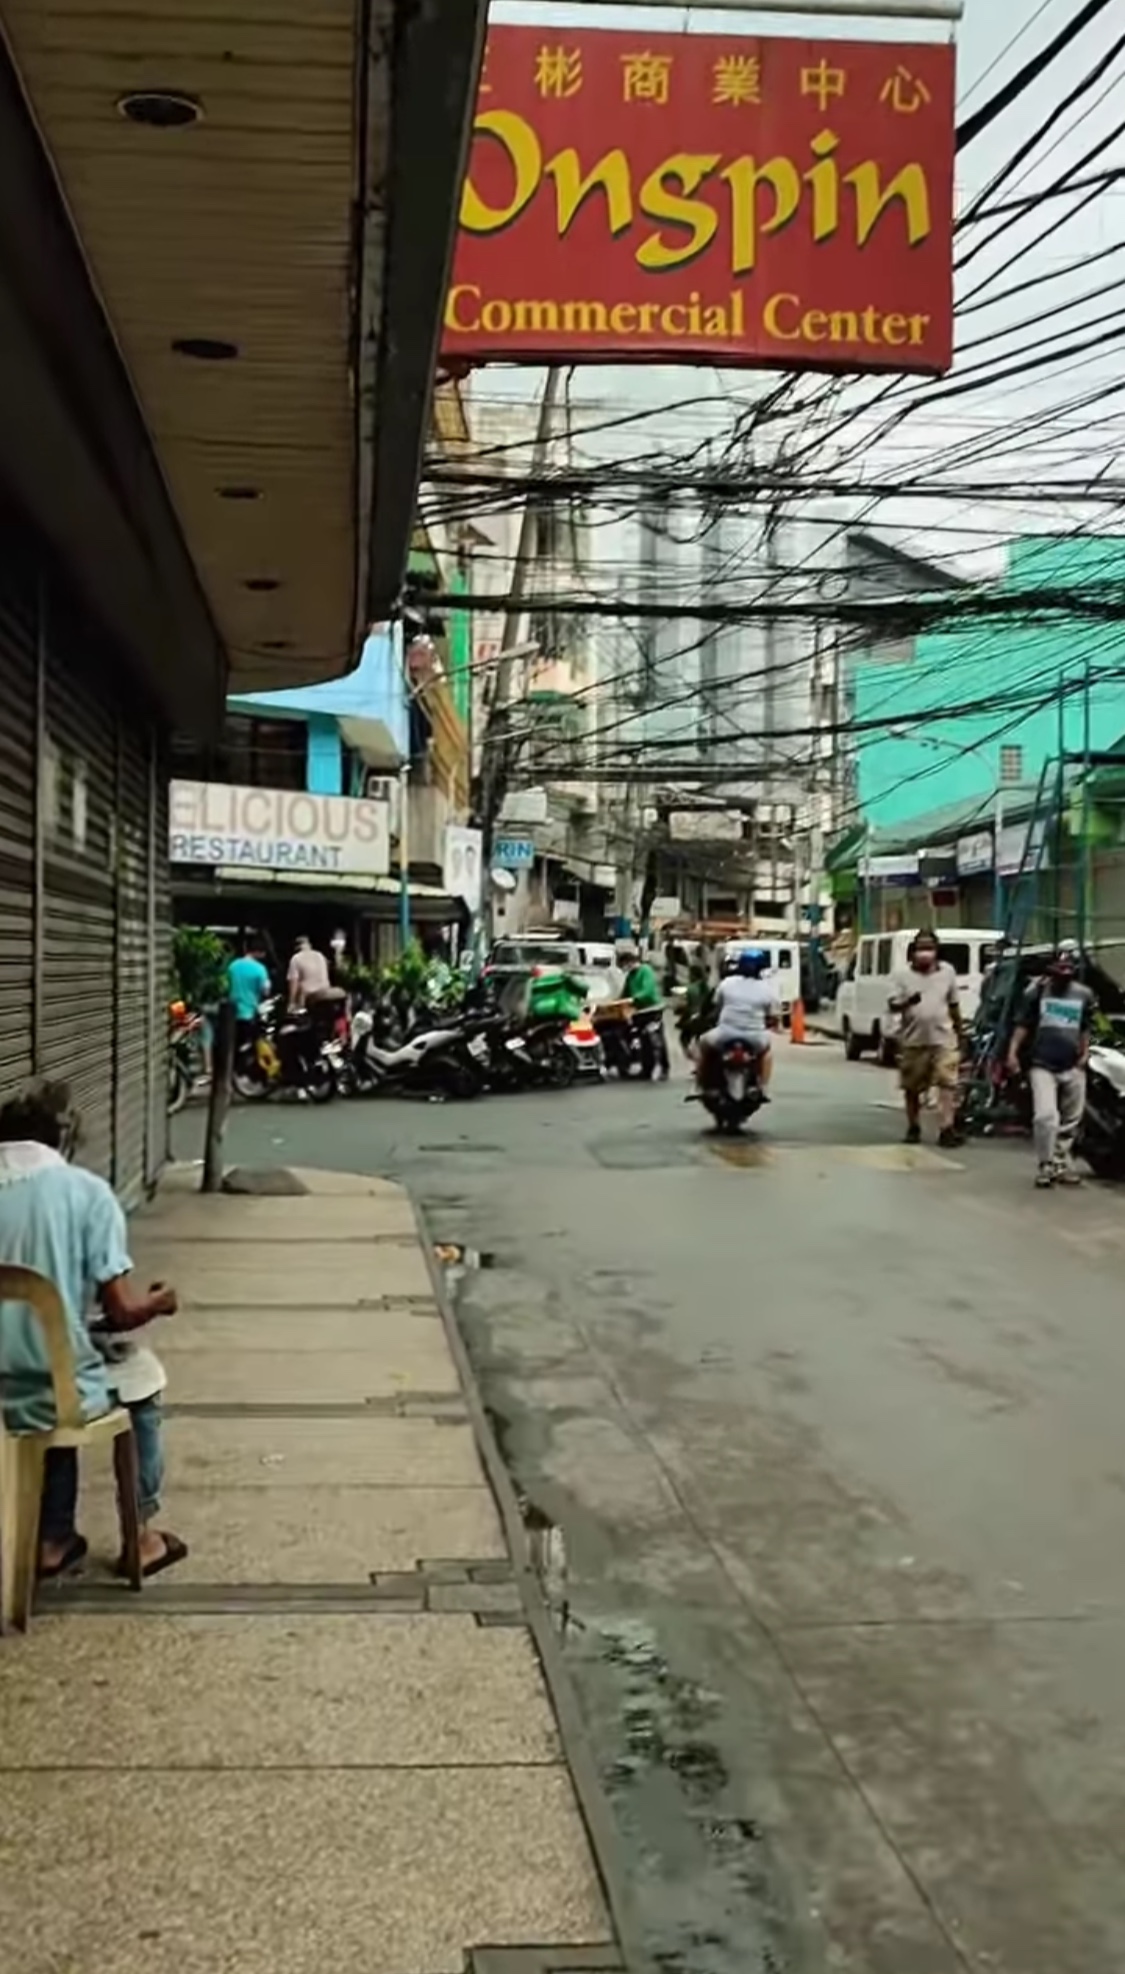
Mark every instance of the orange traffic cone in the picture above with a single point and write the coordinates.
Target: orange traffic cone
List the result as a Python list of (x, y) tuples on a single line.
[(797, 1032)]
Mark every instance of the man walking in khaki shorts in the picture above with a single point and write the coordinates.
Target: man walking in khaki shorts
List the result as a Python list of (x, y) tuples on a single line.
[(925, 998)]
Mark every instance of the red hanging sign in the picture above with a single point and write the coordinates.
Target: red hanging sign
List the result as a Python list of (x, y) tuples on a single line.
[(712, 199)]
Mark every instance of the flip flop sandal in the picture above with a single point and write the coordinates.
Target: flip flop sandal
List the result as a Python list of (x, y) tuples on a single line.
[(76, 1552), (175, 1551)]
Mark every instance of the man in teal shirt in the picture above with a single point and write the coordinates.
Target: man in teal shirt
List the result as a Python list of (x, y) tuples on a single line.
[(248, 985)]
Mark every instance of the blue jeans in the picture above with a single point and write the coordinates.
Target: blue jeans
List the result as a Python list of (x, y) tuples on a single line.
[(60, 1477)]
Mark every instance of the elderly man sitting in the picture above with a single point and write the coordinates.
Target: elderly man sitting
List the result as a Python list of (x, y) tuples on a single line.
[(67, 1224)]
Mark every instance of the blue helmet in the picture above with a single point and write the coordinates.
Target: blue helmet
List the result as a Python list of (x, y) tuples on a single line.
[(752, 963)]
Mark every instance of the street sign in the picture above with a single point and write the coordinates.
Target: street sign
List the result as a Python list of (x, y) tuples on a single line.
[(513, 852), (901, 870), (1020, 847), (974, 853)]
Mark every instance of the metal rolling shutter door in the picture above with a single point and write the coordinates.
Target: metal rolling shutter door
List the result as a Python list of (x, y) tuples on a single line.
[(133, 997), (80, 905), (161, 985), (18, 689)]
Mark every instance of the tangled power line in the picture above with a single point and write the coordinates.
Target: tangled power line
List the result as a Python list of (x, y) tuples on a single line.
[(1024, 437)]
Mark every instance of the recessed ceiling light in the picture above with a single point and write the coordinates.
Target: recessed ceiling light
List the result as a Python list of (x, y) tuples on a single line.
[(239, 493), (262, 582), (205, 349), (160, 109)]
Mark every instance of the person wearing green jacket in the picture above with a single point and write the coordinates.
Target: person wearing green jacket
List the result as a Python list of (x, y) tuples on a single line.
[(695, 1015), (641, 984)]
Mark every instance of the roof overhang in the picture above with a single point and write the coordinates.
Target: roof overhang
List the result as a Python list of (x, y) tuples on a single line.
[(251, 510)]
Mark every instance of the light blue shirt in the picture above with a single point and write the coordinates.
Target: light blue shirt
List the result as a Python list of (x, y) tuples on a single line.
[(66, 1224), (248, 984)]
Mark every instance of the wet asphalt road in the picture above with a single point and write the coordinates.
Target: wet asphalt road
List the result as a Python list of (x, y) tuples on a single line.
[(826, 1437)]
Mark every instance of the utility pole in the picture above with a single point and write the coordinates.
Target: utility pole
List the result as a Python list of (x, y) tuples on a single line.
[(1060, 783), (1086, 893), (495, 757), (404, 855)]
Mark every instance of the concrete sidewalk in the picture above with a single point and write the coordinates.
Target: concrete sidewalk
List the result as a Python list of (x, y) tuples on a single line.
[(325, 1740)]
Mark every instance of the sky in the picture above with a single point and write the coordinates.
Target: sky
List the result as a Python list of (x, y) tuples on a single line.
[(993, 40)]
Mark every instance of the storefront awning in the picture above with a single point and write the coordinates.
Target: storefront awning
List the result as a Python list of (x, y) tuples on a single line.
[(372, 741)]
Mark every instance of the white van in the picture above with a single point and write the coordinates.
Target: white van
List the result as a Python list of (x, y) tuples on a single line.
[(783, 970), (596, 954), (865, 1020)]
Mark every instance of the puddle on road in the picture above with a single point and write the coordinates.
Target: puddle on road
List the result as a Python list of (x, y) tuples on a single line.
[(711, 1904), (742, 1153), (667, 1727), (662, 1715)]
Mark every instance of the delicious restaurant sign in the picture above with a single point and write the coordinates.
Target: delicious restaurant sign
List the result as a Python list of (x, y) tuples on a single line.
[(276, 829), (708, 198)]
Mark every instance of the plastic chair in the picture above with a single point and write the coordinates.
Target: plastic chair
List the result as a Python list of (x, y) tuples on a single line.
[(22, 1457)]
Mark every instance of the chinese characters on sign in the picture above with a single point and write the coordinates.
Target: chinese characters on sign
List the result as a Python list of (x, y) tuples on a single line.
[(558, 72), (737, 79), (760, 200), (823, 83), (646, 78), (905, 92)]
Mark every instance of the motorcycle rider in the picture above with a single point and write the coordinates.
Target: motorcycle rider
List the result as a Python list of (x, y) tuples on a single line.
[(1056, 1018), (641, 984), (643, 988), (314, 1008), (697, 1000), (748, 1009), (308, 975)]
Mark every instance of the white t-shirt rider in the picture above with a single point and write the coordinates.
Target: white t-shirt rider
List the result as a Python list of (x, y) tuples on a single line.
[(746, 1007)]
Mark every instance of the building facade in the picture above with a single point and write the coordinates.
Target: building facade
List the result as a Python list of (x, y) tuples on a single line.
[(84, 921), (348, 760), (182, 512), (1015, 684)]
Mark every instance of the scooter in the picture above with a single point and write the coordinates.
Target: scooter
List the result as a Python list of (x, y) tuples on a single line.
[(635, 1043), (285, 1056), (184, 1055), (356, 1073), (442, 1061), (732, 1088)]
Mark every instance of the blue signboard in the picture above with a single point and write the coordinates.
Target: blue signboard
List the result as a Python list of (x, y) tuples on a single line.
[(513, 852)]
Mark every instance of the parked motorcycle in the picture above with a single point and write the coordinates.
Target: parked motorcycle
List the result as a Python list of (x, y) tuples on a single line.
[(525, 1055), (634, 1040), (732, 1088), (356, 1073), (288, 1054), (185, 1058), (1101, 1139), (445, 1061)]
